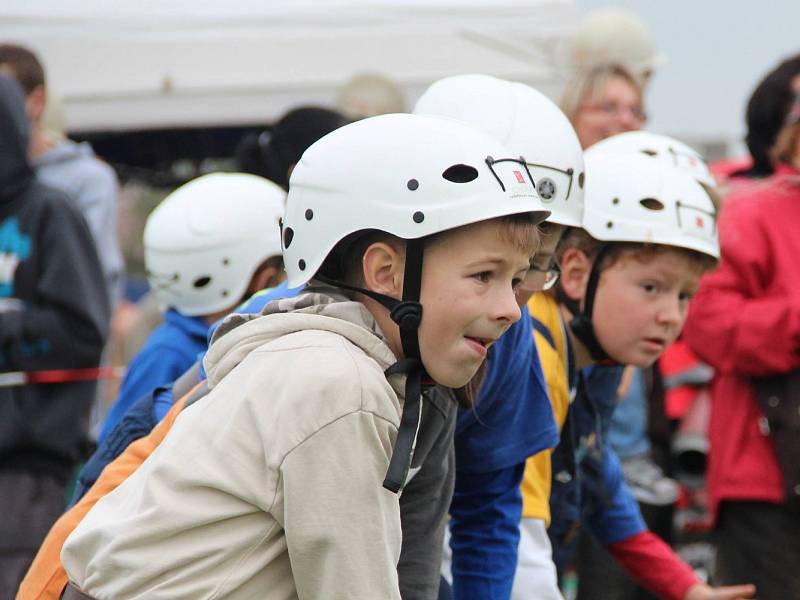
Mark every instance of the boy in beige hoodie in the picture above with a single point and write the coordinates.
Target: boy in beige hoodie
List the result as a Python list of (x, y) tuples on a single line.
[(284, 482)]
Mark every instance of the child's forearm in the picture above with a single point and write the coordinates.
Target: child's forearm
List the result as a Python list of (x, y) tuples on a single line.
[(649, 560)]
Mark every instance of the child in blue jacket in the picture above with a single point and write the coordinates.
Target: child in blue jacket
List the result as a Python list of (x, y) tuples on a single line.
[(208, 245)]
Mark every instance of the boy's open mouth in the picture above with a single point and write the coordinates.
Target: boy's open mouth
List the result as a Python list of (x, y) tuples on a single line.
[(483, 342), (660, 342)]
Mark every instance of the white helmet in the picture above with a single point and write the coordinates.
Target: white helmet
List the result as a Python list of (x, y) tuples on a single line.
[(526, 121), (205, 240), (407, 175), (632, 198), (660, 147), (411, 176)]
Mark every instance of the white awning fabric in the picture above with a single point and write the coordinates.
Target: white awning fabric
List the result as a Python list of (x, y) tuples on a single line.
[(153, 63)]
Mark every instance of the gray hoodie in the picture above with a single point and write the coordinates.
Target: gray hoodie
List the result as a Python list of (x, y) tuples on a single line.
[(91, 185)]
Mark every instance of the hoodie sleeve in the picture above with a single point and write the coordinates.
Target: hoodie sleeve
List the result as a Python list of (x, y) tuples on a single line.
[(342, 527), (66, 325)]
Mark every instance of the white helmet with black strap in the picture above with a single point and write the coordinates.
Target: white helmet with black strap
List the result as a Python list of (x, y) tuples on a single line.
[(632, 198), (412, 177)]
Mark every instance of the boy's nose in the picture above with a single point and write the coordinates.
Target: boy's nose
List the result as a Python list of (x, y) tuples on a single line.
[(505, 307), (672, 313)]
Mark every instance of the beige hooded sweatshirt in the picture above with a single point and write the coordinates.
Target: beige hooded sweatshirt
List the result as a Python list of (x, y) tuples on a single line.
[(271, 486)]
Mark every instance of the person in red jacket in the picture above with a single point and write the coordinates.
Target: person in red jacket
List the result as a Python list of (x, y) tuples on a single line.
[(745, 322)]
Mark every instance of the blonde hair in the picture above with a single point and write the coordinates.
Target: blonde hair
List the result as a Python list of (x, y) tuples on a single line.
[(587, 84), (580, 239)]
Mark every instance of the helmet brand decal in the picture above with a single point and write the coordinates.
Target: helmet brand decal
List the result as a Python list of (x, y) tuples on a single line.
[(546, 188)]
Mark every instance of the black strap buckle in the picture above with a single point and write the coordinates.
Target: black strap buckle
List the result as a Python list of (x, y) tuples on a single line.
[(407, 314)]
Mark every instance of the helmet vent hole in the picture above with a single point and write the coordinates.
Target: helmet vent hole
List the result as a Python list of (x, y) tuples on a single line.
[(309, 214), (650, 152), (302, 264), (226, 262), (610, 224), (225, 293), (615, 201), (288, 236), (652, 204), (201, 282), (412, 184), (581, 180), (418, 217), (460, 174)]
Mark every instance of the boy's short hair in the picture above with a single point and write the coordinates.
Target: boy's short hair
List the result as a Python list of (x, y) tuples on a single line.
[(24, 65), (343, 263), (575, 237)]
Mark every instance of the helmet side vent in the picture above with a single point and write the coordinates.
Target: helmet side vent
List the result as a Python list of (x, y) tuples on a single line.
[(652, 204), (460, 173)]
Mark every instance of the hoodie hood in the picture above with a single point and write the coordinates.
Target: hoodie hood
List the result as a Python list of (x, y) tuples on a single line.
[(322, 308), (15, 170), (64, 151)]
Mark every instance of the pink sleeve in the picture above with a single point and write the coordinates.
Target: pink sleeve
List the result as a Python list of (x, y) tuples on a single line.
[(653, 564)]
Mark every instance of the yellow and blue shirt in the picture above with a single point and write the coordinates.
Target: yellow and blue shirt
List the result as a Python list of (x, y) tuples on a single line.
[(581, 480)]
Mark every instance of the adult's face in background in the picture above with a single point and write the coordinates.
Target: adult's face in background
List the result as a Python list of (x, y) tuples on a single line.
[(616, 108)]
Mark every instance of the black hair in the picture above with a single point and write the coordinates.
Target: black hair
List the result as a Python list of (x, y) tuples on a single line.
[(766, 113), (273, 153)]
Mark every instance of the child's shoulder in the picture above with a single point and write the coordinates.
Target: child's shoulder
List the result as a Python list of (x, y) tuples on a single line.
[(319, 374)]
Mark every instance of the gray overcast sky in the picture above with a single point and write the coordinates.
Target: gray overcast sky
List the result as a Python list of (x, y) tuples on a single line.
[(716, 53)]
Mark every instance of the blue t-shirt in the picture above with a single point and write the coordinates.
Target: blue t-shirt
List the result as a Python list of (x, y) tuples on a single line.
[(588, 484), (169, 351), (512, 418)]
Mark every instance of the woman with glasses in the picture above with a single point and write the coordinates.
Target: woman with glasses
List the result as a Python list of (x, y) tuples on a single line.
[(603, 101)]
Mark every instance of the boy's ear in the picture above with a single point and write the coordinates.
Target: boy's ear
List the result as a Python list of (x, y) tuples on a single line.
[(575, 270), (383, 268)]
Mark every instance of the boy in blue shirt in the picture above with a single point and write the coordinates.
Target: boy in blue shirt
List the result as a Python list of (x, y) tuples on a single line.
[(208, 245), (506, 426)]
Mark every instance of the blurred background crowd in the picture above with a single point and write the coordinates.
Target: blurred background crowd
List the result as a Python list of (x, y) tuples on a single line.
[(129, 102)]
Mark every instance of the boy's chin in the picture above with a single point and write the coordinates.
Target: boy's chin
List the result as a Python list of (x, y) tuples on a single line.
[(642, 362), (451, 379)]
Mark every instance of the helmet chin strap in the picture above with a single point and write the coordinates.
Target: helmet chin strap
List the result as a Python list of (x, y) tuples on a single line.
[(407, 313), (581, 323)]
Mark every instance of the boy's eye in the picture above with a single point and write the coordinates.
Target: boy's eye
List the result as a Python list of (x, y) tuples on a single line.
[(483, 276), (516, 282), (649, 287), (685, 296)]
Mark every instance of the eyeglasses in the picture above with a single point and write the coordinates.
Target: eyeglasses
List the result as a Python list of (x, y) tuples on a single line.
[(616, 110), (551, 273)]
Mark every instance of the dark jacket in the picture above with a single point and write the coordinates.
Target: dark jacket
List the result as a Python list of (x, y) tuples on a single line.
[(54, 312)]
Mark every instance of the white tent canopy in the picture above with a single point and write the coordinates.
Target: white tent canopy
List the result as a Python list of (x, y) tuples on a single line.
[(148, 64)]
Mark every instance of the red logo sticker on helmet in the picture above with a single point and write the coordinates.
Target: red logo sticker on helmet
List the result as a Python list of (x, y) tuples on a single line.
[(519, 177), (699, 223)]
